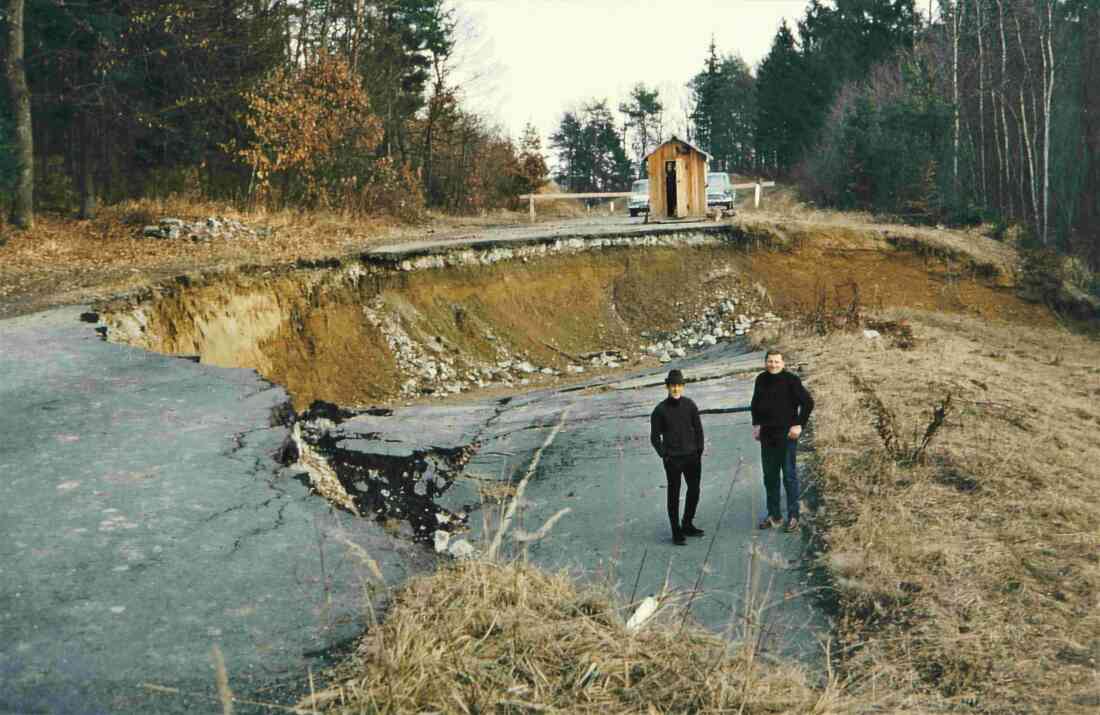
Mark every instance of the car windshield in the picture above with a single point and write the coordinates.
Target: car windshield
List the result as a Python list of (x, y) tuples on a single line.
[(718, 181), (640, 187)]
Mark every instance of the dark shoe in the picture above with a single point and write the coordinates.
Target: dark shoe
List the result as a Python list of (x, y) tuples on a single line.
[(679, 539), (770, 523), (692, 530), (792, 524)]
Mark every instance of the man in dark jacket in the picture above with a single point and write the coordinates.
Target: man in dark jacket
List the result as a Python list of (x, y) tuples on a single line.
[(781, 406), (676, 432)]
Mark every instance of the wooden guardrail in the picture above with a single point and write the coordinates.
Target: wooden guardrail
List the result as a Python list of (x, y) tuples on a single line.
[(531, 198)]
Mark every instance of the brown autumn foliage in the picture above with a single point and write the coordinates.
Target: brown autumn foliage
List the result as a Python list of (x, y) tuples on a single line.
[(315, 140)]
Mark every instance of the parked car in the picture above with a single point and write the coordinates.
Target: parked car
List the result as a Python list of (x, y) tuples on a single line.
[(639, 197), (720, 191)]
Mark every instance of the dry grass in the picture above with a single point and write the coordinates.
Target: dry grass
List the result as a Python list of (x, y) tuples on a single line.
[(972, 249), (506, 637), (64, 261), (969, 579)]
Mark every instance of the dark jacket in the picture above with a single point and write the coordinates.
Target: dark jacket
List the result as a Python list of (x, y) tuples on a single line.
[(778, 402), (675, 429)]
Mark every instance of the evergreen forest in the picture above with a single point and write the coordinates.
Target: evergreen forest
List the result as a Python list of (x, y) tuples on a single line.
[(948, 112)]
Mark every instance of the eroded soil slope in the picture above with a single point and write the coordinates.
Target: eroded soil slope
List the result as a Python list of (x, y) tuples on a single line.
[(357, 334)]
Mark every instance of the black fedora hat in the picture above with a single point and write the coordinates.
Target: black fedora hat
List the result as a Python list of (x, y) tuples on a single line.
[(675, 377)]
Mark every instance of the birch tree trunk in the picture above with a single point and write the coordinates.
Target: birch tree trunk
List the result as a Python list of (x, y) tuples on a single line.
[(981, 102), (956, 26), (22, 210), (1030, 147), (1003, 92), (1046, 39)]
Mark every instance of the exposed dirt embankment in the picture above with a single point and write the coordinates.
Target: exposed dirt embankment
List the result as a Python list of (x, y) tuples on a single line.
[(484, 316)]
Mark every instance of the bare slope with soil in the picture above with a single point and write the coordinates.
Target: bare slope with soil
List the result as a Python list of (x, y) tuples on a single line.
[(362, 330)]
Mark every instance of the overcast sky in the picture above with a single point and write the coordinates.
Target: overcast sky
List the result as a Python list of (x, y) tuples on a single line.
[(534, 59)]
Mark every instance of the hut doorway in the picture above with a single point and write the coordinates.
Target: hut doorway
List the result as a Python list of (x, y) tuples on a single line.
[(670, 188), (677, 183)]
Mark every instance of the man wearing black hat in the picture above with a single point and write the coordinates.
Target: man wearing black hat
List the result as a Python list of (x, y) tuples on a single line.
[(676, 432)]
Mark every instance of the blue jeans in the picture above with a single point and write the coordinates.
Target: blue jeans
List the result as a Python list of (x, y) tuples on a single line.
[(775, 460)]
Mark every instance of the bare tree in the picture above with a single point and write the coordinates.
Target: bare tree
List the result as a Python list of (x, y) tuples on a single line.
[(956, 27), (1046, 46), (22, 212), (1030, 130), (1006, 167), (978, 22)]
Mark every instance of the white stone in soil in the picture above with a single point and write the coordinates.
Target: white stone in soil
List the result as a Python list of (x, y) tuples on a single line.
[(442, 540), (462, 549)]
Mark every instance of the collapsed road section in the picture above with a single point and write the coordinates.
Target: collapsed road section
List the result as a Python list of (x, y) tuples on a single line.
[(147, 522), (594, 503), (439, 321)]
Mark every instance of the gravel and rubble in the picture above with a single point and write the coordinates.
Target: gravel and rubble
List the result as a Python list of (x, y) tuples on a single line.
[(431, 367), (208, 229)]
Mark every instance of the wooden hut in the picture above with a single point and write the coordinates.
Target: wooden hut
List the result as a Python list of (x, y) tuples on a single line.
[(677, 181)]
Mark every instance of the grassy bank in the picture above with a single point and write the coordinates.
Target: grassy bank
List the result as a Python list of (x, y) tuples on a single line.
[(967, 570)]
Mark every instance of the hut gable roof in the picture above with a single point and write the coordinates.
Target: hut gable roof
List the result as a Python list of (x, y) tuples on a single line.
[(675, 138)]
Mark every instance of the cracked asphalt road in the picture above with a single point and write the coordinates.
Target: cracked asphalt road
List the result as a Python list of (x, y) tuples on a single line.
[(143, 520), (601, 467)]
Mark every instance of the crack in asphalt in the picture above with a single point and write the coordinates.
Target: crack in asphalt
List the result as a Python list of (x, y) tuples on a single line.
[(260, 530)]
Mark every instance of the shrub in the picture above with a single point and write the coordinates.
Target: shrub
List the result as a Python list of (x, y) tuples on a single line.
[(314, 143)]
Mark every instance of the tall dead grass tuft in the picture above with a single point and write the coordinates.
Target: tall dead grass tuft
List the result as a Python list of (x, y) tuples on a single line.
[(506, 637)]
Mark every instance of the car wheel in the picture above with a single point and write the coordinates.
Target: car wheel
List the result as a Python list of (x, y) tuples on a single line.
[(633, 213)]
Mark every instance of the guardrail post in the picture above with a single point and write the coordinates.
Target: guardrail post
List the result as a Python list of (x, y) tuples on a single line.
[(756, 196), (531, 206)]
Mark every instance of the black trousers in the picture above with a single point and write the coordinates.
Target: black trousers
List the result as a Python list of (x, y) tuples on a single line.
[(690, 467)]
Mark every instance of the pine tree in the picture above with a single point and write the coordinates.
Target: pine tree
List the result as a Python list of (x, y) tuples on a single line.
[(644, 119), (782, 104), (705, 92), (532, 165)]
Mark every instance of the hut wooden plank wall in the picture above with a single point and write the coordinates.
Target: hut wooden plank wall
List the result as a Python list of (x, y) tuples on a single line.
[(678, 168)]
